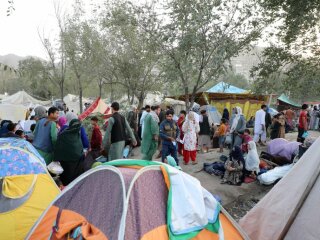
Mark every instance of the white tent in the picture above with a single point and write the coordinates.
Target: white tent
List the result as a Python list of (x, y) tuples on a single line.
[(12, 112), (291, 209), (23, 98), (73, 102), (177, 105)]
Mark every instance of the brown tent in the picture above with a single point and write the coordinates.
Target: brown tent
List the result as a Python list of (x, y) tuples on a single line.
[(290, 210)]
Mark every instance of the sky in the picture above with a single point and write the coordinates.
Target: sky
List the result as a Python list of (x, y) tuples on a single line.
[(19, 32)]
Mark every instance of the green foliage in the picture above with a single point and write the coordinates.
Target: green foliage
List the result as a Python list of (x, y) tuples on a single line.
[(33, 78), (235, 79), (203, 35), (298, 16)]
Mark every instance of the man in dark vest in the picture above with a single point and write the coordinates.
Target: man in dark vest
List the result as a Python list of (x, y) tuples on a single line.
[(169, 132), (117, 130)]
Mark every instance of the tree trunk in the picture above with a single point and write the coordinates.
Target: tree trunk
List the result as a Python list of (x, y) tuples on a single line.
[(141, 99), (111, 93), (80, 99), (187, 100), (61, 90), (100, 89)]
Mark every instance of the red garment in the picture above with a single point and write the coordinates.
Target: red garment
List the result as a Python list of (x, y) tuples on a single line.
[(180, 145), (189, 154), (303, 114), (96, 139)]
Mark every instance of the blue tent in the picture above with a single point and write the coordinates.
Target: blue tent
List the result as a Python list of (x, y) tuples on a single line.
[(223, 87)]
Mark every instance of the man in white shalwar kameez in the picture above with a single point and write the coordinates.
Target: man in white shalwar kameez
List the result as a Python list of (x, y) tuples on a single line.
[(260, 125)]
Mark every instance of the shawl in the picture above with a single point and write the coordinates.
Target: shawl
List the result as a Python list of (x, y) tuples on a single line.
[(236, 119), (252, 159)]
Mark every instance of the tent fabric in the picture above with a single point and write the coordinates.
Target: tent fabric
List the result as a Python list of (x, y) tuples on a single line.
[(19, 157), (249, 103), (73, 102), (89, 195), (26, 189), (23, 98), (213, 114), (286, 100), (98, 106), (119, 199), (223, 87), (290, 210), (13, 112), (282, 148)]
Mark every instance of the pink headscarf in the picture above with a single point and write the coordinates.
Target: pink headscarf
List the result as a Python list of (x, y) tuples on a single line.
[(62, 121)]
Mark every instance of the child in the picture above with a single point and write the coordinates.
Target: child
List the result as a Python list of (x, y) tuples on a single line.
[(246, 139), (222, 134), (20, 133), (96, 139), (29, 136)]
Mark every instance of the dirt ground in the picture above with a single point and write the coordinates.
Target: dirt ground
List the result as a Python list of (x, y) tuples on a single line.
[(236, 199)]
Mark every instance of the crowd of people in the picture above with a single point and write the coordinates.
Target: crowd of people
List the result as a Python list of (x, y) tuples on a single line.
[(59, 136)]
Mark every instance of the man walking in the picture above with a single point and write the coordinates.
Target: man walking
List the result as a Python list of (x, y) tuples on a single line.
[(45, 133), (143, 116), (150, 133), (260, 126), (169, 132), (117, 130)]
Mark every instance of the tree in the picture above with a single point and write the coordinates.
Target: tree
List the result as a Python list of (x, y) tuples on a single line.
[(57, 65), (33, 78), (78, 45), (298, 18), (236, 79), (134, 56), (285, 65), (202, 36)]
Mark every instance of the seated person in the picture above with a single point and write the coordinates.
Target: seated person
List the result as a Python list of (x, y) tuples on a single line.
[(20, 133), (234, 166), (252, 160)]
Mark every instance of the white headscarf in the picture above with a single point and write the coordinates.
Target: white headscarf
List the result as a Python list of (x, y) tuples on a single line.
[(70, 116), (252, 159), (236, 119)]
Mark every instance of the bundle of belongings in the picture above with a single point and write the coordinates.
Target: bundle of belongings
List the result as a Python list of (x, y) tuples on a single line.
[(281, 153), (177, 208)]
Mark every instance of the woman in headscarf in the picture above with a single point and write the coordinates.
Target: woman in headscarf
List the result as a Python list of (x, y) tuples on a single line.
[(180, 122), (252, 160), (278, 127), (226, 114), (84, 138), (234, 166), (69, 152), (314, 120), (61, 122), (190, 128), (238, 125)]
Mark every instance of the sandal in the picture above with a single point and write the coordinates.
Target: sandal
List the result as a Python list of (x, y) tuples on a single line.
[(194, 162)]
